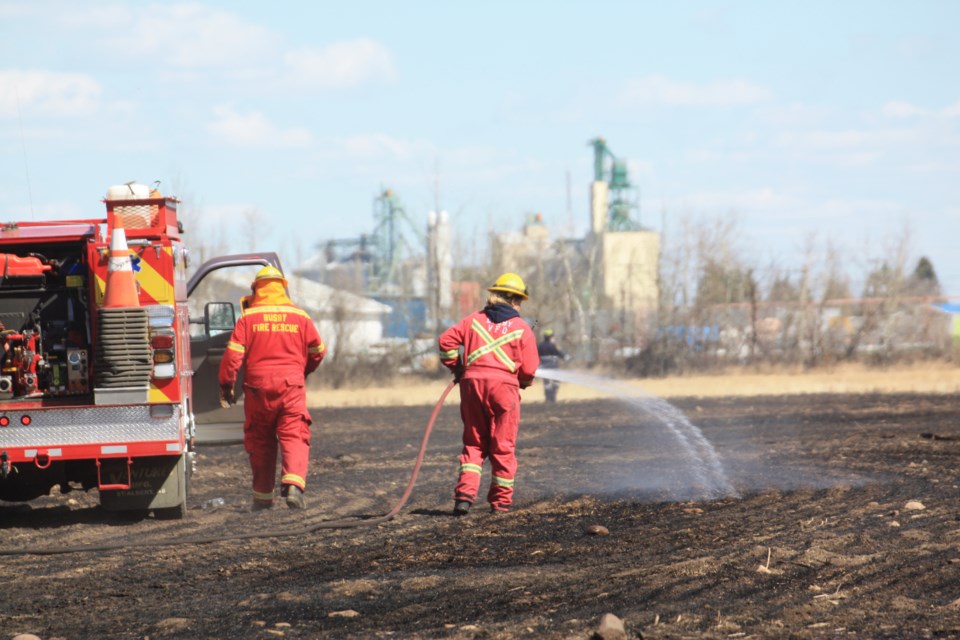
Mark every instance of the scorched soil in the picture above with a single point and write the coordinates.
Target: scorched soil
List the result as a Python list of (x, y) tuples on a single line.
[(842, 522)]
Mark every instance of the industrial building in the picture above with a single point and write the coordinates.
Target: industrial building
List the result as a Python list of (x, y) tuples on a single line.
[(606, 283), (345, 321), (627, 253), (603, 286)]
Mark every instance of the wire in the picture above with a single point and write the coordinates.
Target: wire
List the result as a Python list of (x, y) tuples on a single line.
[(342, 523)]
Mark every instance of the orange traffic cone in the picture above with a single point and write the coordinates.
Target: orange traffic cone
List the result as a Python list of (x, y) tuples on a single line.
[(121, 285)]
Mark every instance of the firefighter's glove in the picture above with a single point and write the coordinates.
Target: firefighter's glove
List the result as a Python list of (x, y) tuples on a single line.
[(457, 373), (227, 396), (526, 383)]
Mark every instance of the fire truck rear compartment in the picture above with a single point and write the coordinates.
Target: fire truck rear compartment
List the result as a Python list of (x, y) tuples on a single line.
[(95, 396), (45, 339)]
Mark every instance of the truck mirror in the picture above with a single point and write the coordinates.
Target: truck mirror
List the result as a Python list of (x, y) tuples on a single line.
[(218, 317)]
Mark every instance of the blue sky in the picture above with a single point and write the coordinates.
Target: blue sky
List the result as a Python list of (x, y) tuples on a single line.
[(824, 120)]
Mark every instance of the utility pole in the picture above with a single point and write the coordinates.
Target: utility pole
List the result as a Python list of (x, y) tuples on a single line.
[(435, 254), (439, 259)]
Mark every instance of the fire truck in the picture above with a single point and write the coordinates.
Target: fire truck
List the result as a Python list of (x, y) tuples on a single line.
[(115, 399)]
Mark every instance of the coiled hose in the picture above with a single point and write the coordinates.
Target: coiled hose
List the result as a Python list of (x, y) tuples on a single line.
[(342, 523)]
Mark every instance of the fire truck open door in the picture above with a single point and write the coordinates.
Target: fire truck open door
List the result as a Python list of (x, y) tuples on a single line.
[(214, 293)]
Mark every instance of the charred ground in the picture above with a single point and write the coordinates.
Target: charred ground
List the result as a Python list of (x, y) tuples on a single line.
[(819, 541)]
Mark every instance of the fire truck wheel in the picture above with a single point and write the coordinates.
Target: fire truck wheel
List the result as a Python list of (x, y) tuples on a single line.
[(178, 512)]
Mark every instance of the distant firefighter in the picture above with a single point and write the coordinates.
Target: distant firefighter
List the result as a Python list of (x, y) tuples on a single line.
[(550, 358), (493, 354)]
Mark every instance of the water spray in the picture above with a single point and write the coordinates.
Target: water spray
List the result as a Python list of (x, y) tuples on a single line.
[(707, 468)]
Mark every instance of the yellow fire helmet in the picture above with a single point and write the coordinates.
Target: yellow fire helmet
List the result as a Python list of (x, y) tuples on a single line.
[(269, 272), (510, 283)]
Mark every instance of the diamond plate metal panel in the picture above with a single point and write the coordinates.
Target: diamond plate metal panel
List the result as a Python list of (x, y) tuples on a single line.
[(88, 425)]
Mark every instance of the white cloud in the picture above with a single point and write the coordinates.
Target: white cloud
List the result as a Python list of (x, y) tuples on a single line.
[(640, 167), (254, 130), (751, 199), (342, 64), (907, 110), (416, 162), (500, 168), (902, 110), (916, 47), (935, 167), (953, 111), (47, 93), (797, 115), (853, 148), (724, 156), (228, 211), (185, 35), (847, 139), (859, 159), (854, 209), (657, 90), (374, 145), (182, 41), (10, 11)]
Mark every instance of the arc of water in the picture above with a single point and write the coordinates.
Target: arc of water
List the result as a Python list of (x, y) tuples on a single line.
[(708, 472)]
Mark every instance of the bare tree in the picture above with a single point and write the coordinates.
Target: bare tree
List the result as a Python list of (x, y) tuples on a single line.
[(253, 229)]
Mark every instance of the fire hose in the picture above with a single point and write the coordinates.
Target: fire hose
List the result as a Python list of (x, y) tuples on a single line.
[(341, 523)]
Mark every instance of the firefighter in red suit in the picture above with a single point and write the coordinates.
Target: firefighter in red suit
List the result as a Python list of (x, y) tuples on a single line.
[(278, 345), (493, 354)]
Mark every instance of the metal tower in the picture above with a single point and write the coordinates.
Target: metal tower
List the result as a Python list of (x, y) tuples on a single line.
[(621, 191), (389, 240)]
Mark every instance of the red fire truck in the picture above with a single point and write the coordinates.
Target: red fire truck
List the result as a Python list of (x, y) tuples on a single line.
[(114, 401)]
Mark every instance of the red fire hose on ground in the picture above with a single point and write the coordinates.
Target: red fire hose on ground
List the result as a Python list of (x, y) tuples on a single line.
[(342, 523)]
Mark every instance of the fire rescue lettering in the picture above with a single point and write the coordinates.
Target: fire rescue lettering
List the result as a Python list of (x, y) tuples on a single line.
[(275, 323), (275, 327)]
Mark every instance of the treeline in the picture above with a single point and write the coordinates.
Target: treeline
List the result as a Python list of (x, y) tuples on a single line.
[(717, 306)]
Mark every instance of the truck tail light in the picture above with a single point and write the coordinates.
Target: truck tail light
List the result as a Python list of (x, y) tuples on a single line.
[(163, 342), (164, 360)]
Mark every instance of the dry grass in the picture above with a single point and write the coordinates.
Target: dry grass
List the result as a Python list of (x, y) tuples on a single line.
[(921, 378)]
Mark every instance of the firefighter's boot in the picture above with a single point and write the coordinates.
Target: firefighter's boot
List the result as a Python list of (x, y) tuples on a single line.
[(294, 497), (461, 508), (261, 505)]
